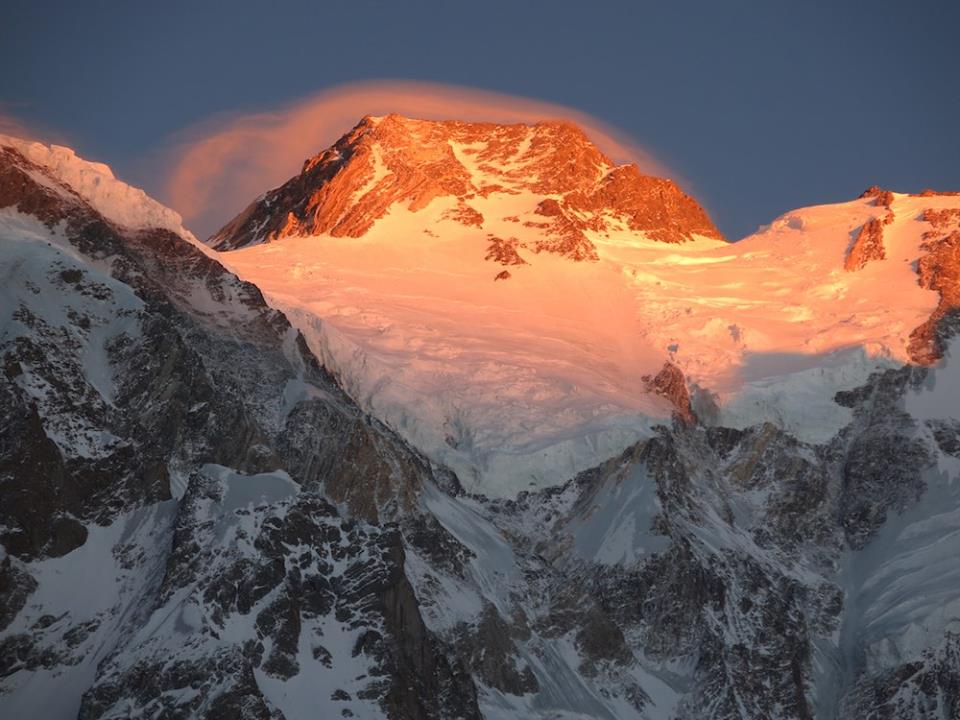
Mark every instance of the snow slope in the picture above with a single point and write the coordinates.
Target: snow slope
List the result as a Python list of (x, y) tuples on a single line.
[(86, 603), (513, 384), (34, 268), (522, 382)]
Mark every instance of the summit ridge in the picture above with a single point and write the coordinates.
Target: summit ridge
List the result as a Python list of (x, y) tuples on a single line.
[(570, 186)]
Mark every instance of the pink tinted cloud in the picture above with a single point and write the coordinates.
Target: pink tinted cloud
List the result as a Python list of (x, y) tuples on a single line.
[(13, 126), (217, 168), (10, 125)]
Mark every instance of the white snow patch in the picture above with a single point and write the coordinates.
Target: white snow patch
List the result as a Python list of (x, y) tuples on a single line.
[(95, 182), (494, 567), (84, 317), (118, 202), (616, 529), (249, 491), (311, 689), (90, 584)]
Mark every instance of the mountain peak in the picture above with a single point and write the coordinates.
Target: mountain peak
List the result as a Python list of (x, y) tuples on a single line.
[(556, 183)]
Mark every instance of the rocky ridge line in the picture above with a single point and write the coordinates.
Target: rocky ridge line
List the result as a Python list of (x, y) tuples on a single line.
[(384, 161)]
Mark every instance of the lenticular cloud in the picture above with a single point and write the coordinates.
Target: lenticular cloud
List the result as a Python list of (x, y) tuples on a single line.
[(222, 164)]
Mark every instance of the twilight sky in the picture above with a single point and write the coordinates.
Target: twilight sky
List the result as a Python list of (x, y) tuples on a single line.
[(757, 107)]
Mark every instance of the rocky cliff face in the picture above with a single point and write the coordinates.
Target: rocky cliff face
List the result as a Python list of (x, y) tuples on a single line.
[(395, 160), (939, 269), (198, 522), (136, 370)]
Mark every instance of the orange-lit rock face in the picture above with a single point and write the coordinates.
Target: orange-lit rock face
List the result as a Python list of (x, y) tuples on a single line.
[(394, 160), (938, 269), (881, 197), (868, 245)]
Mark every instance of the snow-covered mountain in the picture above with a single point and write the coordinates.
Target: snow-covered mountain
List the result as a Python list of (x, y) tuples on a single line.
[(498, 295), (216, 507)]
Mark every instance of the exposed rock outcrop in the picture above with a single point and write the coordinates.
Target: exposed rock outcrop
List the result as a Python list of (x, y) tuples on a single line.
[(868, 245), (939, 269), (671, 384)]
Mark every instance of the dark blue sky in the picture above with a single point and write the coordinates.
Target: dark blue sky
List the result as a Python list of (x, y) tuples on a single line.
[(760, 106)]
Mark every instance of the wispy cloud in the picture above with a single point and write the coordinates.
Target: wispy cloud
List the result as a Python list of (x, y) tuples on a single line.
[(12, 124)]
